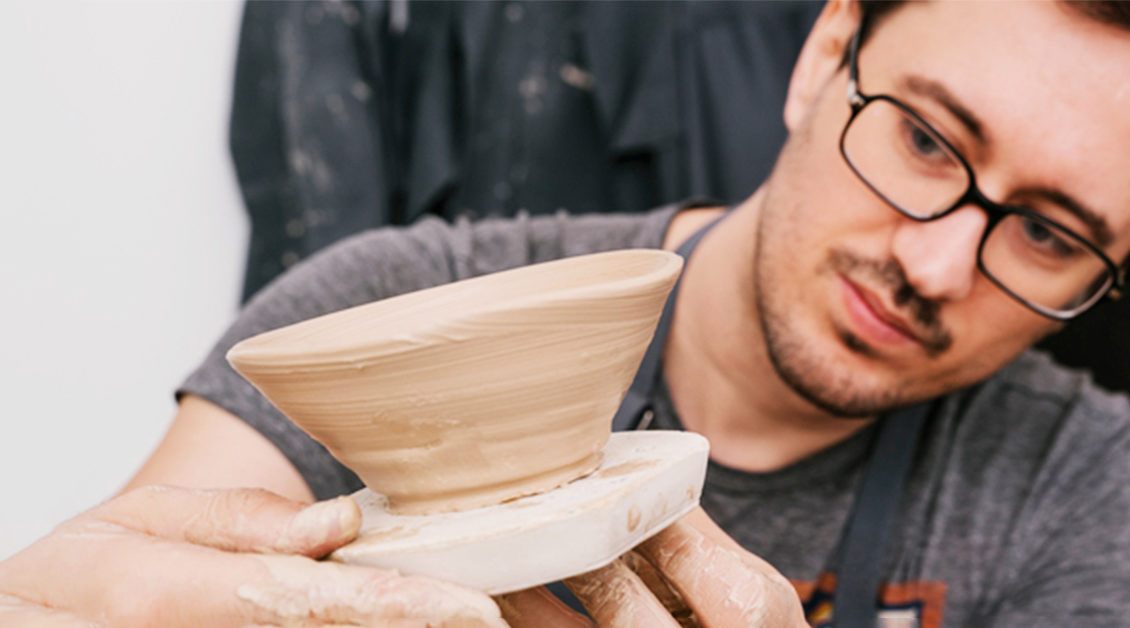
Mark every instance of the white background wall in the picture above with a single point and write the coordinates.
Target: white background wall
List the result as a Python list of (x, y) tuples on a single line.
[(122, 238)]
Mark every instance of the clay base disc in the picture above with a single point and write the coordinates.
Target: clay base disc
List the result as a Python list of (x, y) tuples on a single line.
[(646, 481)]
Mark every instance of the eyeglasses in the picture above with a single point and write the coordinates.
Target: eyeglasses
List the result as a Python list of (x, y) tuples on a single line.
[(1030, 254)]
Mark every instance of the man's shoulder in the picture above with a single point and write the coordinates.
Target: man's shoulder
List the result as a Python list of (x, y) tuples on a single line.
[(470, 247), (1050, 413), (1033, 492), (1035, 380)]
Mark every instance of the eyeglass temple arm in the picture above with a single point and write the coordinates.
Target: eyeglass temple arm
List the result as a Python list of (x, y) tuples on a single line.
[(855, 99)]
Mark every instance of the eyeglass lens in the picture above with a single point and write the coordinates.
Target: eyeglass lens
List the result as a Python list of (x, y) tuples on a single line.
[(907, 164)]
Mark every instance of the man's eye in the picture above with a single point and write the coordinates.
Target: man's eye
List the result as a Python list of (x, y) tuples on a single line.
[(923, 146), (922, 142), (1046, 239)]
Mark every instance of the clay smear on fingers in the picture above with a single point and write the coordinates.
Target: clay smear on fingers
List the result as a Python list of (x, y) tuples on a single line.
[(293, 590), (474, 392), (663, 591), (242, 520), (616, 598), (724, 587)]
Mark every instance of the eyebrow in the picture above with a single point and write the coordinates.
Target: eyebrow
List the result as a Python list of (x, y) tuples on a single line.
[(1096, 224), (933, 89)]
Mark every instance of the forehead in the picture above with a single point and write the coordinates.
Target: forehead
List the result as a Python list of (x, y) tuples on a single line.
[(1050, 86)]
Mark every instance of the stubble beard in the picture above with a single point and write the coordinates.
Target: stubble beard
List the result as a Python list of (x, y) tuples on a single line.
[(814, 376)]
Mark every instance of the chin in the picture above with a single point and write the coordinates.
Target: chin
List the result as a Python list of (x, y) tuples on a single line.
[(833, 369), (841, 387)]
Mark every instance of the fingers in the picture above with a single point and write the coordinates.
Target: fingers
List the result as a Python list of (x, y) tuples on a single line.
[(243, 520), (704, 524), (667, 595), (294, 589), (722, 585), (153, 557), (374, 623), (123, 578), (539, 608), (19, 613), (616, 598)]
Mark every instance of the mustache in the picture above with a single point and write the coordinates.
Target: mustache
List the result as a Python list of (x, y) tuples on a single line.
[(920, 312)]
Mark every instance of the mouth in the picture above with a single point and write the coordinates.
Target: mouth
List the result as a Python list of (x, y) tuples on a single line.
[(872, 320)]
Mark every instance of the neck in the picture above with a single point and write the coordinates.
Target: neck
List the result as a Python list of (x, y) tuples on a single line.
[(722, 382)]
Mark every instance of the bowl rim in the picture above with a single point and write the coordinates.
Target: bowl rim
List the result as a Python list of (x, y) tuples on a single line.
[(256, 353)]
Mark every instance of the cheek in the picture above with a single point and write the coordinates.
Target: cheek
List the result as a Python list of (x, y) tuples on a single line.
[(990, 329), (818, 204)]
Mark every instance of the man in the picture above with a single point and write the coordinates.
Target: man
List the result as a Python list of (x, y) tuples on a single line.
[(952, 190)]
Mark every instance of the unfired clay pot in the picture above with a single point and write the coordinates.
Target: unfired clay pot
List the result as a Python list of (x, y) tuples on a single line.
[(474, 392)]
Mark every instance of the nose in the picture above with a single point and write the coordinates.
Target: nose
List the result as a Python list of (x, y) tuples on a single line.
[(940, 257)]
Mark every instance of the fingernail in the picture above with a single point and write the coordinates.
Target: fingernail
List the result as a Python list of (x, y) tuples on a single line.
[(329, 519)]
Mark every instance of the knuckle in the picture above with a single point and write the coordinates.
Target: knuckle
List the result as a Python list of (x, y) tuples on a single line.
[(231, 519), (231, 504), (783, 591), (600, 587), (679, 554), (244, 501), (128, 509), (613, 595)]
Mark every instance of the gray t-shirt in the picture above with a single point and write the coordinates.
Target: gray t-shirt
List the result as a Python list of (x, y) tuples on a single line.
[(1017, 512)]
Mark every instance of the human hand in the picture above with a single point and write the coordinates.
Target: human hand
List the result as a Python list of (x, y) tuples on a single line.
[(177, 557), (690, 574)]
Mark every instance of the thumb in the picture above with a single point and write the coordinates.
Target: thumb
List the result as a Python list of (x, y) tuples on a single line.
[(238, 520)]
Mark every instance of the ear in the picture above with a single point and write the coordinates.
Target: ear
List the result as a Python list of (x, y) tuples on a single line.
[(820, 58)]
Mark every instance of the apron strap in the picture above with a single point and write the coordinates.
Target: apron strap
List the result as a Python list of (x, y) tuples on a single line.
[(873, 518), (637, 401)]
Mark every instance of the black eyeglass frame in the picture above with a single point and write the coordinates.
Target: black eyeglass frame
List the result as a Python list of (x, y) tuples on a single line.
[(995, 212)]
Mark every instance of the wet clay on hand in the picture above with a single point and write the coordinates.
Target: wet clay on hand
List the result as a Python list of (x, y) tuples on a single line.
[(475, 392)]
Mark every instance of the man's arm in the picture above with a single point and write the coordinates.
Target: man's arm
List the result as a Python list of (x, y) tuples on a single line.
[(209, 447), (159, 555)]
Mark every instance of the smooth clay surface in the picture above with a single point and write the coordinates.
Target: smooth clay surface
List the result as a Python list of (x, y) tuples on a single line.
[(474, 392)]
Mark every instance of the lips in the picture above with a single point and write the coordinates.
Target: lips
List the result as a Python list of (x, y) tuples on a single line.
[(873, 319)]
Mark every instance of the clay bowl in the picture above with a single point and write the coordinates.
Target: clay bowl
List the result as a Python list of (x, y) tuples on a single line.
[(475, 392)]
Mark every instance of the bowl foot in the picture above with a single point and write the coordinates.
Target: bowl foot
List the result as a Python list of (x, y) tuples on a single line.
[(645, 482)]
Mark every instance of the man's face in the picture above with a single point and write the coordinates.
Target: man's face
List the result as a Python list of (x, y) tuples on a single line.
[(863, 308)]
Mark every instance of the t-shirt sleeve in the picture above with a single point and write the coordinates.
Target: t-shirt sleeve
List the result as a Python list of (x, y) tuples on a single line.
[(1069, 562), (383, 263)]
